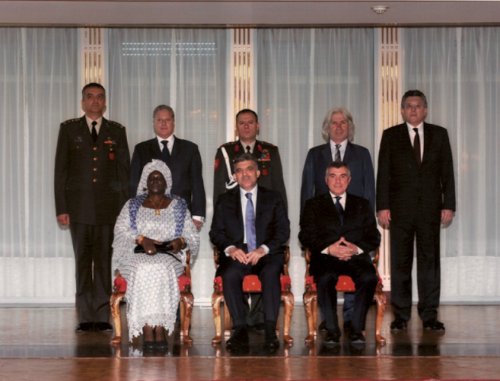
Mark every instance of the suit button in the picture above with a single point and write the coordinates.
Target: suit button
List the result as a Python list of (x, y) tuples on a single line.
[(94, 148), (94, 180), (94, 158), (94, 169)]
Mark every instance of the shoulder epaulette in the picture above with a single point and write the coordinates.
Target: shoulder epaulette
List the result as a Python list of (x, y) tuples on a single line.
[(70, 121)]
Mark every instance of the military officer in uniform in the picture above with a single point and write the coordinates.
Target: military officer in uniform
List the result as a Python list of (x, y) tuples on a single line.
[(92, 168), (271, 175)]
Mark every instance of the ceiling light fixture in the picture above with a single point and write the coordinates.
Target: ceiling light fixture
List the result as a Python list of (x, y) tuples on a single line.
[(380, 9)]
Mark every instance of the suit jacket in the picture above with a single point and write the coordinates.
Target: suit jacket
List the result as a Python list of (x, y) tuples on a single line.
[(185, 165), (268, 157), (271, 222), (320, 226), (91, 180), (356, 157), (406, 188)]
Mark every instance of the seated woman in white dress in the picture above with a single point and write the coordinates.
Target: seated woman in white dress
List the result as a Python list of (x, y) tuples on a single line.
[(152, 234)]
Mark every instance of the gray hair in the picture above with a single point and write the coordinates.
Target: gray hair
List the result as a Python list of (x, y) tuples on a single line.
[(325, 131), (163, 107)]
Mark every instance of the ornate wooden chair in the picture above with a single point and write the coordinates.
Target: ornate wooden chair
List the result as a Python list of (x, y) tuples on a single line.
[(344, 284), (251, 284), (186, 303)]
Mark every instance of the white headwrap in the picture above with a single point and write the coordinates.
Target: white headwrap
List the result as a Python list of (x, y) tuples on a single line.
[(154, 165)]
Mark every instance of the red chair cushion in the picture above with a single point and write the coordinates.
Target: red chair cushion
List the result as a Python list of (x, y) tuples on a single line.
[(344, 284), (184, 282), (120, 284), (251, 283)]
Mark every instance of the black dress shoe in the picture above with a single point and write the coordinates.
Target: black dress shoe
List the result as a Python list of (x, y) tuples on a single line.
[(398, 324), (272, 343), (331, 338), (103, 327), (148, 346), (357, 338), (434, 325), (322, 326), (238, 339), (84, 327)]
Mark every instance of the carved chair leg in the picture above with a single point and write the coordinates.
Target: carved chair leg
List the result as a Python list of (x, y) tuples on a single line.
[(114, 304), (288, 304), (228, 324), (381, 300), (187, 302), (310, 301), (217, 299)]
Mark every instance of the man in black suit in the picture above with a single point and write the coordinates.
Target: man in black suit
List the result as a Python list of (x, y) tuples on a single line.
[(415, 194), (91, 185), (250, 227), (340, 229), (338, 131), (271, 177), (182, 157)]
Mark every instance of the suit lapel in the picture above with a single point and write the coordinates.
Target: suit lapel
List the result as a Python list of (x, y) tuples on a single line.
[(348, 153), (154, 149), (428, 135), (326, 154), (331, 210)]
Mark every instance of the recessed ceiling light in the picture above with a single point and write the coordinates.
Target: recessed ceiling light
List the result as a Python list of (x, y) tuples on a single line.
[(379, 9)]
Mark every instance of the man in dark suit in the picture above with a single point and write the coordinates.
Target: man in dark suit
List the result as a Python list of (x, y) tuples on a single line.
[(91, 185), (182, 157), (271, 177), (415, 194), (340, 230), (338, 132), (250, 227)]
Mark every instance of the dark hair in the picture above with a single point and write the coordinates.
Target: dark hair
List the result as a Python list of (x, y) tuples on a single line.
[(164, 107), (93, 84), (413, 93), (245, 157), (247, 110), (338, 164)]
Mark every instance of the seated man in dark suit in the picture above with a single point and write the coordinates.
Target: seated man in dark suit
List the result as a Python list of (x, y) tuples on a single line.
[(340, 230), (251, 227)]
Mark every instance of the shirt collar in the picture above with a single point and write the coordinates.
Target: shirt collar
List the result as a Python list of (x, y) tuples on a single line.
[(342, 200)]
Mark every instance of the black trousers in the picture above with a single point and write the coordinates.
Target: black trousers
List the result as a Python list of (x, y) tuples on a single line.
[(362, 272), (92, 245), (403, 236), (268, 269)]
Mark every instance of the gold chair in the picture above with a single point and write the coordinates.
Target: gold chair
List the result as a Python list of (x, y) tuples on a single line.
[(251, 284), (186, 303), (344, 284)]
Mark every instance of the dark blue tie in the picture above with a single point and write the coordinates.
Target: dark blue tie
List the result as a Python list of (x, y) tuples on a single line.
[(340, 210), (165, 153), (250, 223)]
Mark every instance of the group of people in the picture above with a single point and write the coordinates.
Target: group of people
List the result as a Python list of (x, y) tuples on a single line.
[(142, 216)]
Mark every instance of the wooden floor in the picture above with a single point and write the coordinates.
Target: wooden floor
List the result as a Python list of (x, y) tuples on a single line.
[(40, 344)]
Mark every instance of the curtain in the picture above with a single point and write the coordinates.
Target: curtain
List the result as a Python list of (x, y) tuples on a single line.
[(39, 75), (301, 74), (186, 69), (457, 69)]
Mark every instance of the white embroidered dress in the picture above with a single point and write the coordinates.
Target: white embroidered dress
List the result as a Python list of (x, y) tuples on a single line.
[(152, 287)]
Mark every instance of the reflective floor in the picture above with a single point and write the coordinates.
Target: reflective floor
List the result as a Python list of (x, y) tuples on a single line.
[(40, 344)]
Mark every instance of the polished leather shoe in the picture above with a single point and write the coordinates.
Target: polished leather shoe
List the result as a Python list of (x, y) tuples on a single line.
[(357, 338), (103, 327), (84, 327), (322, 326), (238, 339), (331, 338), (398, 324), (434, 325), (272, 343), (148, 346)]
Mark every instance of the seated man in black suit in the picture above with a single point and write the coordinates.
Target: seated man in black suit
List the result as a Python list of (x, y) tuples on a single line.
[(251, 227), (340, 230)]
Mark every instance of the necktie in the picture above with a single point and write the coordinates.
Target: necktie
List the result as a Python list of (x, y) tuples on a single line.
[(94, 131), (339, 208), (250, 223), (248, 149), (337, 153), (416, 147), (165, 153)]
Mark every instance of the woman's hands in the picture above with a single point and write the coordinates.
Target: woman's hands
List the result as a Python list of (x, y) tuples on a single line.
[(149, 244)]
